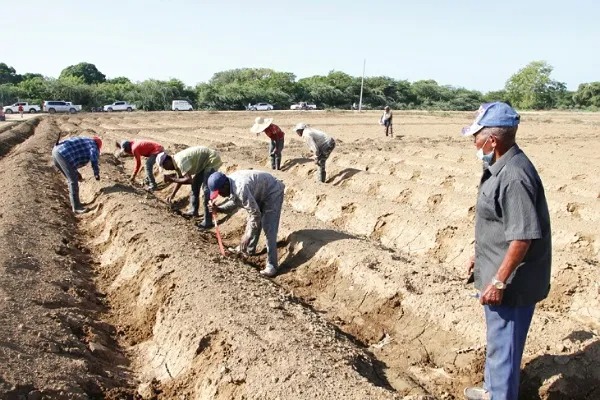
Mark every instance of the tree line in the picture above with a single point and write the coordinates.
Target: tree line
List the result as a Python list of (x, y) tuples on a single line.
[(532, 87)]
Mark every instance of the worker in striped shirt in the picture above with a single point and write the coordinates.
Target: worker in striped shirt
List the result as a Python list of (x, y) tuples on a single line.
[(320, 144), (139, 149), (72, 154), (274, 133)]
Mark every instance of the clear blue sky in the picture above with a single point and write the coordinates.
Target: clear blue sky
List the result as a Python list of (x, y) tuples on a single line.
[(473, 44)]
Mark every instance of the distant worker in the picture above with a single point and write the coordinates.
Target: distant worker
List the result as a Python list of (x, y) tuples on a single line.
[(139, 149), (193, 166), (261, 195), (72, 154), (386, 121), (21, 110), (274, 133), (319, 143)]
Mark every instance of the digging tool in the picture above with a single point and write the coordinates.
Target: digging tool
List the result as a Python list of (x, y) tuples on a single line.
[(218, 233)]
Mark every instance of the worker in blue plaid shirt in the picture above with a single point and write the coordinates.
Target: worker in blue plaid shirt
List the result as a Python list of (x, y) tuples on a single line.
[(72, 154)]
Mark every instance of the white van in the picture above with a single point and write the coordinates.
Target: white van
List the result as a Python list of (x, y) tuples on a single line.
[(181, 105)]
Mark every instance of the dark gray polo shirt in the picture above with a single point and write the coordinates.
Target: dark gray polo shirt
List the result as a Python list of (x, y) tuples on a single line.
[(511, 205)]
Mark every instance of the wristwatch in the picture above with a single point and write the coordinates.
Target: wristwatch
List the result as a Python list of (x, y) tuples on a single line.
[(498, 284)]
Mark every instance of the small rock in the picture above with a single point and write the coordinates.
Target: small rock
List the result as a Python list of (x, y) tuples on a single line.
[(34, 395), (21, 326), (270, 327), (275, 305)]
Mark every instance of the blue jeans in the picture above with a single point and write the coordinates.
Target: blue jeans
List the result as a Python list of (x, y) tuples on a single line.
[(200, 180), (507, 329), (149, 170), (70, 173)]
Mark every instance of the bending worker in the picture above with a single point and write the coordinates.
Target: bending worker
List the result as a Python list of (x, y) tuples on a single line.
[(139, 149), (193, 166), (320, 144), (72, 154), (261, 195), (274, 133)]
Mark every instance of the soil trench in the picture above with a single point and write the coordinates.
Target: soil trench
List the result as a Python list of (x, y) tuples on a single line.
[(54, 342)]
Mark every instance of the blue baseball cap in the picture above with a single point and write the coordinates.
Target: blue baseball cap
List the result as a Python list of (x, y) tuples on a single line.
[(493, 115), (216, 180)]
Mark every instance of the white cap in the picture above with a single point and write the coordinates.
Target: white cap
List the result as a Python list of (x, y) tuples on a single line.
[(300, 126)]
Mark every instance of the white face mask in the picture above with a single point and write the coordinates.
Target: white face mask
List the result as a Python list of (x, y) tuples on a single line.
[(486, 158)]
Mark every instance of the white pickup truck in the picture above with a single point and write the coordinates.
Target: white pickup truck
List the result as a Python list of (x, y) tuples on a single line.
[(303, 106), (59, 106), (119, 106), (27, 108)]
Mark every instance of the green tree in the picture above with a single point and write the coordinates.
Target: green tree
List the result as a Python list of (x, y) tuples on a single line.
[(587, 95), (8, 75), (532, 88), (86, 71)]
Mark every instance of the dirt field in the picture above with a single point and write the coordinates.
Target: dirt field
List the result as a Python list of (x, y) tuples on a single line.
[(132, 300)]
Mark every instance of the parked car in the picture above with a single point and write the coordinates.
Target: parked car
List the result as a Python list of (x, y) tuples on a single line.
[(59, 106), (119, 106), (303, 106), (2, 117), (27, 108), (181, 105), (261, 107)]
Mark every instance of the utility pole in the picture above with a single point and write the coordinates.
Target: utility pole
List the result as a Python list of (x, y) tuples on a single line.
[(362, 82)]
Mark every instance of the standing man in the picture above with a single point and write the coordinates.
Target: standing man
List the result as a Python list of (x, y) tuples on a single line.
[(139, 149), (513, 248), (193, 166), (21, 110), (319, 144), (261, 195), (72, 154), (386, 120), (274, 133)]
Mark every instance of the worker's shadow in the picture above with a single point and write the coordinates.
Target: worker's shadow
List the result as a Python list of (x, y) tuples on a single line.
[(575, 375), (343, 175), (301, 246), (114, 188), (289, 164)]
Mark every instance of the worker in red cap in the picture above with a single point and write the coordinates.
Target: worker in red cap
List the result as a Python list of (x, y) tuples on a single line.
[(72, 154), (139, 149)]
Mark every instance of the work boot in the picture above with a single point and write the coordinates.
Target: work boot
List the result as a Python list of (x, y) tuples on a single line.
[(205, 225), (190, 213), (80, 210), (151, 188), (476, 393), (269, 271)]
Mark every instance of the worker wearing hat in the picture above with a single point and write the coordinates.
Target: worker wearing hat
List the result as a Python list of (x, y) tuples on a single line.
[(139, 149), (72, 154), (193, 166), (274, 133), (319, 143), (261, 195)]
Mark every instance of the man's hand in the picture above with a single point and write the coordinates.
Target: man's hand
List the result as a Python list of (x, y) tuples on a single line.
[(212, 207), (168, 178), (470, 264), (244, 244), (491, 296), (169, 199)]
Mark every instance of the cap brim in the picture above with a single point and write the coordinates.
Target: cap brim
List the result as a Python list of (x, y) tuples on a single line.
[(471, 130), (214, 194)]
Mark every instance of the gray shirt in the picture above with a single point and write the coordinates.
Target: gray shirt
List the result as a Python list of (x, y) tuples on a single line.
[(316, 140), (511, 205), (255, 191)]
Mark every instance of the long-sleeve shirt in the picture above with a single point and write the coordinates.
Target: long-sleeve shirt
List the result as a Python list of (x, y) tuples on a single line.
[(194, 160), (315, 140), (144, 148), (252, 190), (274, 132), (78, 151)]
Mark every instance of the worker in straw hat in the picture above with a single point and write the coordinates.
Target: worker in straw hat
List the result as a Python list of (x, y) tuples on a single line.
[(319, 143), (193, 166), (72, 154), (274, 133), (261, 195), (139, 149)]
